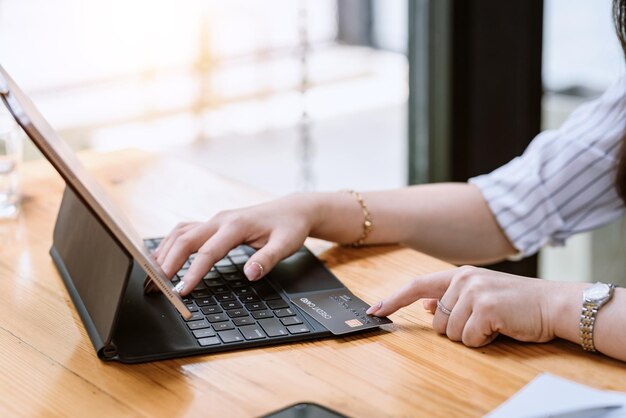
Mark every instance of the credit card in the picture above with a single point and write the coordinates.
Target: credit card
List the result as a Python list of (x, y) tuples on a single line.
[(338, 310)]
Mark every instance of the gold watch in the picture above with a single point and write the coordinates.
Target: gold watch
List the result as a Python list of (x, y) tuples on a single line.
[(594, 298)]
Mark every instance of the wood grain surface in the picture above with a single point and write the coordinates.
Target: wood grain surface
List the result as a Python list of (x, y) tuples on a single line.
[(49, 367)]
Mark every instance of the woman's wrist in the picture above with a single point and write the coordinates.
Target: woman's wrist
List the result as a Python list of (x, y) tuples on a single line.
[(312, 208), (565, 310), (333, 216)]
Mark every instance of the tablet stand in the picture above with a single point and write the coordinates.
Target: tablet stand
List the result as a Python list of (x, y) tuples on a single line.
[(94, 267)]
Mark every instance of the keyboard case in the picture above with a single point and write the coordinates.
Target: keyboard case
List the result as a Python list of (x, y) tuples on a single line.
[(123, 323)]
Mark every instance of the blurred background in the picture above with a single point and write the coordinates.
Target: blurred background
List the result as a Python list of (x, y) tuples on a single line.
[(281, 94), (292, 95)]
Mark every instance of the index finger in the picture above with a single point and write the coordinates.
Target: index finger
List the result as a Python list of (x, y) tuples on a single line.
[(210, 253), (432, 285)]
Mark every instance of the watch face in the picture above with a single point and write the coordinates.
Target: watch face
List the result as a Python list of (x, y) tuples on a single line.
[(597, 292)]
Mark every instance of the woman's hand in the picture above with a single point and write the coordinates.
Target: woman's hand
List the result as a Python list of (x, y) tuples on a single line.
[(482, 304), (277, 229)]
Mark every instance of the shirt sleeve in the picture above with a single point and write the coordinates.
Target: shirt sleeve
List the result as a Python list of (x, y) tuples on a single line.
[(564, 182)]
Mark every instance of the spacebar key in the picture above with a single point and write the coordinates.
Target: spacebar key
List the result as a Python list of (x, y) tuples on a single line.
[(273, 327)]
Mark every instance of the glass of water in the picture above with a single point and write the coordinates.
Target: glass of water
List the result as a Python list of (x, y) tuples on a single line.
[(10, 160)]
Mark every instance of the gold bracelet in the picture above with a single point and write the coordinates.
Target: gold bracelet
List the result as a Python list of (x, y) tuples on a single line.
[(368, 225)]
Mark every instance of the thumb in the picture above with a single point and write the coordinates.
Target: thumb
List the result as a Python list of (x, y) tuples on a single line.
[(430, 305), (432, 285)]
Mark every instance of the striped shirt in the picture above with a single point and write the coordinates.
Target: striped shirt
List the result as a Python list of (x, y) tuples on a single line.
[(564, 182)]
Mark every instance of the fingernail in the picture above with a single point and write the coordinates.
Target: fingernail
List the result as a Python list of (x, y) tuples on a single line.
[(374, 308), (180, 286), (253, 270)]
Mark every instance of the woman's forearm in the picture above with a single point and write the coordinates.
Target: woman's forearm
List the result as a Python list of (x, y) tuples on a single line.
[(447, 220)]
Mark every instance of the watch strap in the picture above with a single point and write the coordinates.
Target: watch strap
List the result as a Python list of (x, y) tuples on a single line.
[(587, 321), (588, 317)]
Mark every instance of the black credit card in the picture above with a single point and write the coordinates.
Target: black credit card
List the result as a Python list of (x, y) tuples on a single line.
[(338, 310)]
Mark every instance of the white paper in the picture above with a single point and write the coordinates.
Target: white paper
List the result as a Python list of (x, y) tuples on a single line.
[(548, 395)]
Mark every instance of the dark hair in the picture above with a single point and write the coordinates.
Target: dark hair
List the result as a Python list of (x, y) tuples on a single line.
[(619, 16)]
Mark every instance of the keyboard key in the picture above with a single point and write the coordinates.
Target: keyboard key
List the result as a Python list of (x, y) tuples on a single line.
[(217, 318), (239, 259), (212, 275), (262, 314), (237, 251), (249, 298), (237, 313), (223, 326), (291, 320), (224, 270), (272, 327), (182, 272), (233, 277), (223, 262), (231, 336), (231, 305), (205, 301), (199, 294), (210, 310), (277, 304), (192, 307), (281, 313), (214, 282), (265, 291), (247, 290), (199, 286), (239, 283), (225, 297), (252, 332), (195, 317), (204, 333), (245, 320), (187, 264), (255, 306), (298, 329), (209, 341), (198, 324), (220, 289)]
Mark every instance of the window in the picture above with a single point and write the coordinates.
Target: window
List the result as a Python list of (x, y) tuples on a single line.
[(265, 92)]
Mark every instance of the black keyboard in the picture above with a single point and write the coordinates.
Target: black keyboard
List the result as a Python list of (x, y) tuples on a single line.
[(227, 308)]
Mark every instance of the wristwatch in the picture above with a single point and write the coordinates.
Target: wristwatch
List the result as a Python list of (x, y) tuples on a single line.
[(594, 297)]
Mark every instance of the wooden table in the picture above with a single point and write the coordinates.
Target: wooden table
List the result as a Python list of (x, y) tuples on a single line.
[(50, 368)]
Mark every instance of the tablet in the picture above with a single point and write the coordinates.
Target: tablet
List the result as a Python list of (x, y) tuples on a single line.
[(84, 185)]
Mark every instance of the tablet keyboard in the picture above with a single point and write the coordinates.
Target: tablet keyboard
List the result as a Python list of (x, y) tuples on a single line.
[(227, 308)]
